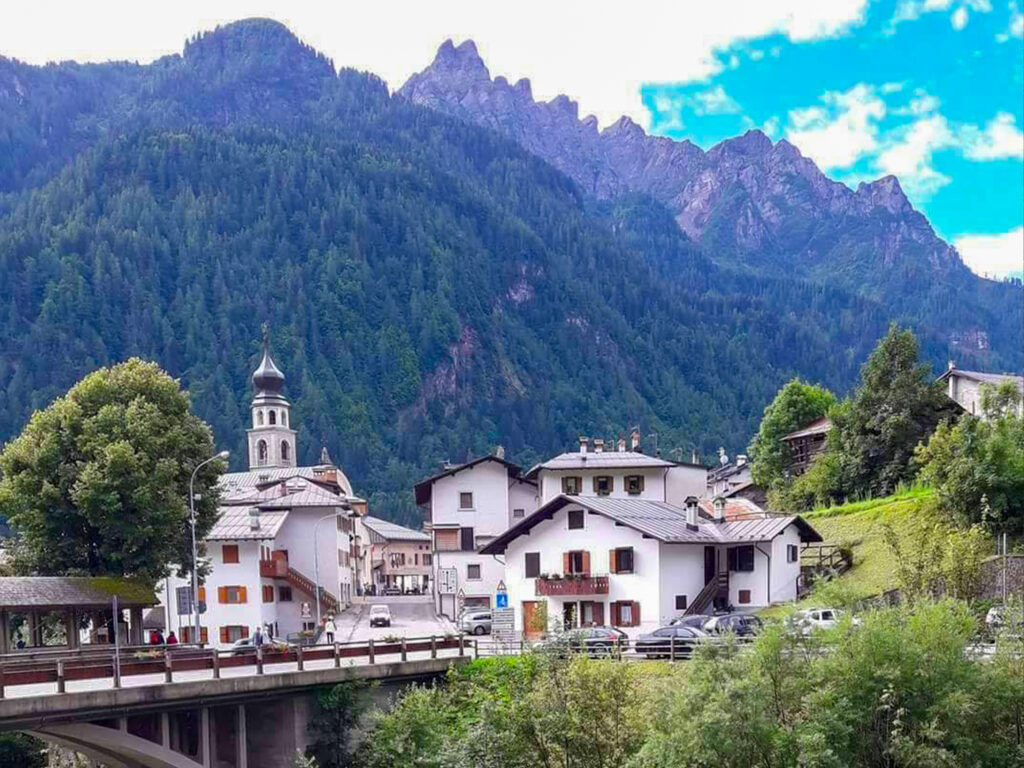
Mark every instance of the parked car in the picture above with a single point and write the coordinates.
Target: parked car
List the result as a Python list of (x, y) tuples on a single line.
[(812, 619), (304, 638), (475, 622), (594, 641), (392, 591), (996, 619), (380, 616), (697, 621), (670, 642), (247, 646), (740, 624)]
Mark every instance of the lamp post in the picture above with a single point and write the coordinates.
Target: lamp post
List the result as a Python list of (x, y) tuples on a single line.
[(316, 559), (195, 547)]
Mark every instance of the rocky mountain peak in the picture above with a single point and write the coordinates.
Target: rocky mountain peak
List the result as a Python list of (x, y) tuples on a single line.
[(885, 192)]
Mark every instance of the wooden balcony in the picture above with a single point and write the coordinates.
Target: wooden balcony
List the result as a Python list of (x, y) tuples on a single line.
[(572, 585), (275, 568)]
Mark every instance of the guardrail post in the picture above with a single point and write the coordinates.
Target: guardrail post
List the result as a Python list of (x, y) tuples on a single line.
[(216, 665), (168, 668), (1, 682), (299, 657), (369, 650), (259, 661), (405, 655), (672, 648), (115, 664), (61, 685), (462, 644), (433, 647), (476, 648), (337, 656)]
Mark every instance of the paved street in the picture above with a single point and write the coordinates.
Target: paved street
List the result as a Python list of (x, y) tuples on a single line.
[(410, 617)]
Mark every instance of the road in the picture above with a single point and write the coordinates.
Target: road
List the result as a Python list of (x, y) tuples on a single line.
[(410, 617)]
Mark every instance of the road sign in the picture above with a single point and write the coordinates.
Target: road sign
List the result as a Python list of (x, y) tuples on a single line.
[(447, 581), (501, 600), (501, 587), (306, 611), (462, 600)]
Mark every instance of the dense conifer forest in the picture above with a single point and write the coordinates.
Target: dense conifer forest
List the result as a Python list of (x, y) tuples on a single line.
[(433, 290)]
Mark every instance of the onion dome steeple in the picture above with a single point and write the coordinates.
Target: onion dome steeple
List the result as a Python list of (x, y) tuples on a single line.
[(267, 378)]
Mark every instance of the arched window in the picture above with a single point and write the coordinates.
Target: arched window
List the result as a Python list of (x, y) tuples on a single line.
[(261, 452), (259, 418), (286, 451), (273, 417), (284, 418)]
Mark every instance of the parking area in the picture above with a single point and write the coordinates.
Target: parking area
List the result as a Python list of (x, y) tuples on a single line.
[(411, 616)]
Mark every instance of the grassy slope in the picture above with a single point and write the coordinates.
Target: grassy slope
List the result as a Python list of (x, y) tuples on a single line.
[(862, 525)]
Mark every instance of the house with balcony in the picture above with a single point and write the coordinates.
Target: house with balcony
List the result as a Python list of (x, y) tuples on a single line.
[(636, 563), (399, 557), (465, 506), (964, 387)]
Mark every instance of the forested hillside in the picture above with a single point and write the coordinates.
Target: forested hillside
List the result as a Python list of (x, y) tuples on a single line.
[(433, 290)]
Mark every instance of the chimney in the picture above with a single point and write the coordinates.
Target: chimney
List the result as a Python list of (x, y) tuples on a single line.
[(719, 508), (254, 518), (691, 512), (694, 458), (499, 453), (723, 458), (741, 459), (622, 445), (584, 442), (598, 445), (950, 365), (634, 440)]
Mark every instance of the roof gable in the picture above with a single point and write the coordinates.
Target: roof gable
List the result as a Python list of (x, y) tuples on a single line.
[(424, 488)]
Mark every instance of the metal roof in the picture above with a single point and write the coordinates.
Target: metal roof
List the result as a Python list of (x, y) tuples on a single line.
[(816, 427), (983, 377), (235, 524), (603, 460), (236, 481), (84, 591), (661, 521), (393, 531)]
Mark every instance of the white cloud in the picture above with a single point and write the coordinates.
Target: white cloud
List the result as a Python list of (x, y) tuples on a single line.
[(993, 255), (714, 101), (910, 10), (909, 156), (771, 127), (843, 131), (1016, 25), (1000, 140), (593, 51), (959, 18)]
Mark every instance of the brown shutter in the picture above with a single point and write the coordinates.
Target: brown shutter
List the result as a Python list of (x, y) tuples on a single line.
[(598, 613), (245, 630), (222, 595), (641, 482), (586, 563), (565, 562), (613, 566), (223, 634), (636, 614), (613, 612), (204, 635), (202, 594), (241, 595)]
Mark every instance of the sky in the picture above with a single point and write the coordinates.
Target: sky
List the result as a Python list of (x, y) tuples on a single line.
[(929, 90)]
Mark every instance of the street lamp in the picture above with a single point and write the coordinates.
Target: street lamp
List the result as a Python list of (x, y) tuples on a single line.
[(195, 548), (316, 558)]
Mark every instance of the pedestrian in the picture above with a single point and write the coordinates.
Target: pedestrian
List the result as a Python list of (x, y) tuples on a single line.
[(160, 637), (257, 637), (330, 628), (172, 639)]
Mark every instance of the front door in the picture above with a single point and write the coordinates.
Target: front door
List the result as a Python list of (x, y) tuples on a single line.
[(709, 564), (570, 616), (531, 621)]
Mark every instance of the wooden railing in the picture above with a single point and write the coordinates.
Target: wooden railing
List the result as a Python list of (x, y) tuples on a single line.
[(305, 584), (275, 568), (573, 585), (718, 585)]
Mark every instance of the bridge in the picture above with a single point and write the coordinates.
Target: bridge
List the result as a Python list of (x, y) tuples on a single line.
[(190, 707)]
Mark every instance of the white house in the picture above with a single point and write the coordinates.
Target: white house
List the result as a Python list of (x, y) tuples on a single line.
[(281, 530), (465, 507), (398, 557), (964, 387), (636, 563)]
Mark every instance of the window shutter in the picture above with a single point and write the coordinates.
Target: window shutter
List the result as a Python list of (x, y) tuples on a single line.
[(222, 595), (641, 482), (565, 562), (202, 594), (636, 614), (245, 631), (241, 595), (598, 613), (613, 610), (223, 634), (586, 563), (613, 565), (204, 635)]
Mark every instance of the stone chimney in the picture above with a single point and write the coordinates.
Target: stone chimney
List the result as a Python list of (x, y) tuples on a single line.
[(499, 452), (634, 440), (584, 443), (691, 512), (598, 445), (741, 459), (694, 457), (723, 457), (622, 445), (719, 503)]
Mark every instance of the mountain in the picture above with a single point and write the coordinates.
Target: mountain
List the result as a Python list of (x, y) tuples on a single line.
[(749, 202), (434, 289)]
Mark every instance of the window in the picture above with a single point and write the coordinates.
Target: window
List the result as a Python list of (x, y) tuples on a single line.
[(466, 540), (284, 594), (576, 562), (680, 602), (531, 564), (231, 595), (634, 484), (416, 559), (186, 635), (286, 451), (572, 485), (603, 484), (465, 500), (621, 560), (446, 539), (284, 418), (473, 572), (273, 417), (744, 597), (792, 553), (259, 418), (575, 519), (625, 613), (428, 559), (268, 593), (233, 633), (741, 558), (229, 553), (261, 452), (518, 514)]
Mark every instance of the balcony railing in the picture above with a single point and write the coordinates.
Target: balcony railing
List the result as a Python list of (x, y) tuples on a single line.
[(573, 585), (276, 568)]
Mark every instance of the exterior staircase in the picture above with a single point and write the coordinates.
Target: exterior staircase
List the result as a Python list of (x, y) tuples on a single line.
[(305, 584), (706, 597)]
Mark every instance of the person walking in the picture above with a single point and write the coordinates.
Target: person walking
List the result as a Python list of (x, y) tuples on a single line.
[(330, 628), (172, 639), (257, 637)]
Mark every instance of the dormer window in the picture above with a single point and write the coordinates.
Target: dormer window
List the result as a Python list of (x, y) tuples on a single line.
[(634, 484), (603, 485), (571, 486)]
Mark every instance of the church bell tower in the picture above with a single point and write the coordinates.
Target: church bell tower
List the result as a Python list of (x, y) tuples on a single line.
[(272, 441)]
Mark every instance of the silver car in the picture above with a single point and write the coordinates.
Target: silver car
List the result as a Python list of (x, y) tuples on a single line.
[(475, 623)]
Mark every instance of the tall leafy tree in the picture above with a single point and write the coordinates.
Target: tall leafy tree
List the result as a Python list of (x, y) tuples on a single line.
[(796, 405), (897, 405), (97, 483)]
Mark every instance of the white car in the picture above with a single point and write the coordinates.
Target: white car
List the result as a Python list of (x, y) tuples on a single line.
[(380, 616), (812, 619)]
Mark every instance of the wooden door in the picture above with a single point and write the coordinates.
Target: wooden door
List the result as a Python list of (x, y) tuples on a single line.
[(529, 617), (709, 564)]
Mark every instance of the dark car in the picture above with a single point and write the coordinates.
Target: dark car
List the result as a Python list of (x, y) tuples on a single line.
[(740, 624), (598, 641), (694, 622), (670, 642)]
